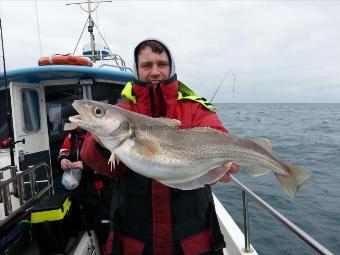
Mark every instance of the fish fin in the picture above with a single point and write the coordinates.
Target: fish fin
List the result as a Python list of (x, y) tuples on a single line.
[(256, 171), (112, 161), (291, 183), (208, 178), (145, 147), (264, 143), (170, 122)]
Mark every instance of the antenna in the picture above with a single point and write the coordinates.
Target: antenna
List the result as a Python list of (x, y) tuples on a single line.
[(108, 55), (91, 22)]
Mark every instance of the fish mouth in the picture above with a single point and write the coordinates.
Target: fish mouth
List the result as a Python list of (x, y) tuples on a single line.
[(77, 119)]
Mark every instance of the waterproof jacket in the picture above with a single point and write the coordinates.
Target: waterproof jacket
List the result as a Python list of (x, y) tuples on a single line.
[(153, 218), (70, 149)]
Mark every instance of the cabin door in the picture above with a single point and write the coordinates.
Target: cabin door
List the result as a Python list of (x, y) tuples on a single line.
[(29, 124)]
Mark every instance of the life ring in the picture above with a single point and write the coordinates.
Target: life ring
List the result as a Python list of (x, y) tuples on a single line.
[(58, 59)]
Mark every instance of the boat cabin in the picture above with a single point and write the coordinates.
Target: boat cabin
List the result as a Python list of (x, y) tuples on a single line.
[(37, 98)]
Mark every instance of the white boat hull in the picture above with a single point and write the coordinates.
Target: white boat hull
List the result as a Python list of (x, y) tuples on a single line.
[(233, 236)]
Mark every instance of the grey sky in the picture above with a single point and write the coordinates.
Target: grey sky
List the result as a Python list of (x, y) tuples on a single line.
[(280, 51)]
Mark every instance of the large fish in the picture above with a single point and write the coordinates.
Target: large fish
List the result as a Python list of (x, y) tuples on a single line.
[(180, 158)]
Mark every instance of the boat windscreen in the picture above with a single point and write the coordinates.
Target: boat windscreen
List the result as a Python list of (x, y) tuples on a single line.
[(108, 93), (57, 98)]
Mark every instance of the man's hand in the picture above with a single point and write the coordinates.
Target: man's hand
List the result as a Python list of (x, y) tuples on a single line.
[(65, 164), (78, 164), (233, 168)]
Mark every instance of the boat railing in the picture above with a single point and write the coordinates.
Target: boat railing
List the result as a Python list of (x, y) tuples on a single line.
[(122, 68), (15, 186), (246, 192)]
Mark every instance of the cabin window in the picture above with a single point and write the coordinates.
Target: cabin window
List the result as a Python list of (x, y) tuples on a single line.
[(31, 112), (58, 97), (108, 93)]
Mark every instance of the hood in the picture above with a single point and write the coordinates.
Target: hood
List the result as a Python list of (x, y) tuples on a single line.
[(172, 61)]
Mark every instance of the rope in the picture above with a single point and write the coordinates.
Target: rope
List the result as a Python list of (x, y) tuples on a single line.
[(97, 21), (80, 36), (113, 55)]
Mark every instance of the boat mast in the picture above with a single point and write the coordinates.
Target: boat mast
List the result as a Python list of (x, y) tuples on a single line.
[(91, 23), (90, 29), (109, 55)]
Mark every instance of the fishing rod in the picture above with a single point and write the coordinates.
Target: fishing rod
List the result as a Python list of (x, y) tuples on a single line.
[(10, 139), (225, 75)]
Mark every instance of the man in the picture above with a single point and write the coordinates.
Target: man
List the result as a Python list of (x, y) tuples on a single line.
[(92, 197), (69, 154), (151, 218)]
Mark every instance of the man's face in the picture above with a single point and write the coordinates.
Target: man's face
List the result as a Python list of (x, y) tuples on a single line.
[(153, 67)]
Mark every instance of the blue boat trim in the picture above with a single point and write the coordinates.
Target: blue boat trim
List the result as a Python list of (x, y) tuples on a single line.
[(55, 72)]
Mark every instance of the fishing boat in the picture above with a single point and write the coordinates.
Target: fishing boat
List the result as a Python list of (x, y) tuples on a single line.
[(31, 134)]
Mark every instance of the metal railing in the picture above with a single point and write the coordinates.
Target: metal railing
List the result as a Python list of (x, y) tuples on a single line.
[(122, 68), (18, 189), (278, 216)]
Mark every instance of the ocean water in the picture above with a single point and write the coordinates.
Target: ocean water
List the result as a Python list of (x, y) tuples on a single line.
[(309, 136)]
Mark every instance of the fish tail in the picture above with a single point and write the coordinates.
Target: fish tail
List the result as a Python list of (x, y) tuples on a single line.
[(291, 183)]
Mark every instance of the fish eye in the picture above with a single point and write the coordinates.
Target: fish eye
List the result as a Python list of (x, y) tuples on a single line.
[(98, 112)]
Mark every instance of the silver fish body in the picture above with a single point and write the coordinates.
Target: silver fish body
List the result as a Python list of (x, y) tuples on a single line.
[(180, 158)]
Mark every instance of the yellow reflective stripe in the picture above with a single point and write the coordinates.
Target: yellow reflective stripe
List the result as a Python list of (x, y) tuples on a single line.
[(179, 96), (184, 88), (127, 93), (51, 215), (196, 99), (191, 95)]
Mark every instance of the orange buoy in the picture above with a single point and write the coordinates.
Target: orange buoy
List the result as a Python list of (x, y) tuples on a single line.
[(68, 59)]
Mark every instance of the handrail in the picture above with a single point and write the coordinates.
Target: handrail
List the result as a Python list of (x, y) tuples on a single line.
[(278, 216), (18, 180), (4, 168), (122, 68), (13, 171)]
